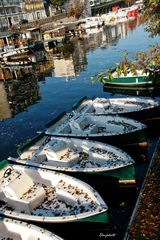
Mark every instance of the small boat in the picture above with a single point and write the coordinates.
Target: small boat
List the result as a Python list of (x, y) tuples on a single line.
[(41, 195), (104, 128), (73, 155), (139, 80), (18, 230), (134, 107)]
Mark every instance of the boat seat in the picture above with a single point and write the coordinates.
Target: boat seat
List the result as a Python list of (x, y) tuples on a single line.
[(6, 233), (88, 108), (99, 108), (59, 154), (64, 195), (101, 105), (84, 126), (75, 127), (39, 156), (87, 126), (58, 148), (22, 194)]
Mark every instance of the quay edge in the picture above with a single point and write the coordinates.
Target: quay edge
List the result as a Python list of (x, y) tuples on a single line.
[(135, 227)]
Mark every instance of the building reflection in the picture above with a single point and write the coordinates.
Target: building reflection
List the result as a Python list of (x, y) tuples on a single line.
[(19, 85), (18, 90), (104, 36), (70, 60)]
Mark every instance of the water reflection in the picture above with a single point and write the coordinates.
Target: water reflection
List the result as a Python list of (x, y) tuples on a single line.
[(150, 91), (70, 58), (18, 90), (107, 35), (19, 86)]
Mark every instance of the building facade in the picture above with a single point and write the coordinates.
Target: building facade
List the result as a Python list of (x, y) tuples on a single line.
[(104, 6), (10, 12), (33, 9), (13, 11)]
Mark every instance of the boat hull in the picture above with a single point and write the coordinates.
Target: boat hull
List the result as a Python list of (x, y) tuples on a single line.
[(135, 137), (132, 82), (119, 173), (150, 112)]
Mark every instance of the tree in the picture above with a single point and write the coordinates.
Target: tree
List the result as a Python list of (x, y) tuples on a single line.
[(76, 9), (151, 16)]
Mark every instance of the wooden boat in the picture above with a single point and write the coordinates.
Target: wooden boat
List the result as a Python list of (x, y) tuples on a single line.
[(47, 196), (18, 230), (75, 156), (134, 107), (105, 128), (141, 80)]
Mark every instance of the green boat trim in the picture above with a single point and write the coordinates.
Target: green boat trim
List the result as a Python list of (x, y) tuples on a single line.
[(29, 144), (3, 164), (77, 104), (99, 218), (129, 81), (56, 119)]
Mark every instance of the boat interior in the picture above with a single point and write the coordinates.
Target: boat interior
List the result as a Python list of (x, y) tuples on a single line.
[(27, 193)]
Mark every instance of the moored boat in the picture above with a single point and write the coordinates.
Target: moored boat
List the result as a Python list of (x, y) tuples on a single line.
[(75, 156), (142, 78), (47, 196), (18, 230), (134, 107), (105, 128)]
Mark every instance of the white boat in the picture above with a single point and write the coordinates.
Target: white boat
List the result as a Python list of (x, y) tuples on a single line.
[(18, 230), (46, 196), (134, 107), (110, 129), (74, 156)]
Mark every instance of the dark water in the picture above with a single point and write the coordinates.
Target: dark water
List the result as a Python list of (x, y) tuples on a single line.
[(40, 92)]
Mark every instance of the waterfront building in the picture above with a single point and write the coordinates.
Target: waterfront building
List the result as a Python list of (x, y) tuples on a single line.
[(33, 9), (16, 11), (99, 7), (11, 12)]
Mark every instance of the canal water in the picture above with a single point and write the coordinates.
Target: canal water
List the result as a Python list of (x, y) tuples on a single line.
[(32, 96)]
